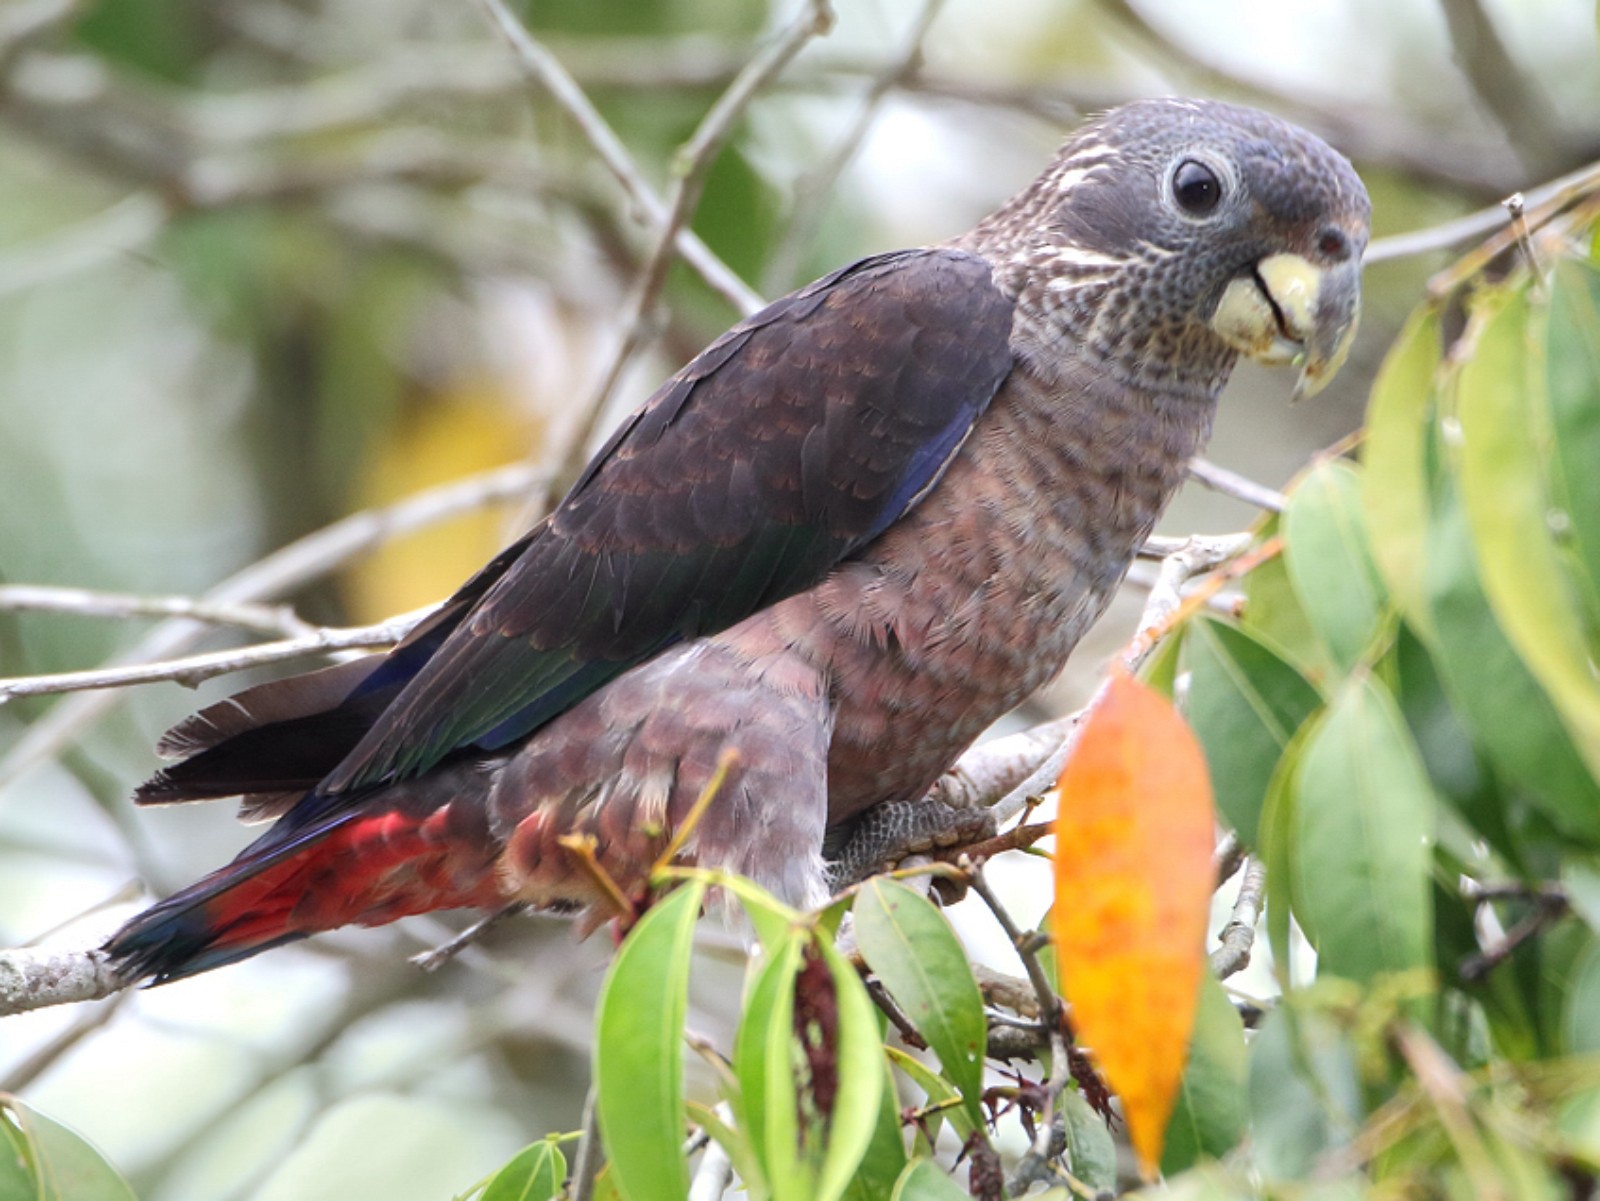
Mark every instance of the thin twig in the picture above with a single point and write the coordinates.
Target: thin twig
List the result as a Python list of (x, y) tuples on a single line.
[(284, 570), (435, 958), (1231, 483), (715, 1173), (547, 71), (590, 1155), (1547, 199), (691, 165), (1239, 935), (1548, 909), (812, 190), (1506, 91), (1044, 990), (120, 606), (194, 669)]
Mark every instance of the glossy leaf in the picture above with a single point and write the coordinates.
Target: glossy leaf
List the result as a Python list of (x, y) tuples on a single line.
[(1364, 825), (1133, 889), (1510, 715), (1274, 614), (638, 1055), (924, 1180), (1329, 562), (1394, 484), (858, 1061), (41, 1160), (764, 1062), (1091, 1151), (1210, 1116), (814, 1158), (938, 1092), (1245, 703), (734, 1141), (910, 946), (536, 1174), (1504, 446), (1279, 818), (1573, 392), (885, 1157)]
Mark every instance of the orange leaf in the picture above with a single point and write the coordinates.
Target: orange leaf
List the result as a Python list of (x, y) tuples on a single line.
[(1133, 893)]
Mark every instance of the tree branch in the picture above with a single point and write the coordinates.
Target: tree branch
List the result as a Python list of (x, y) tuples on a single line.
[(693, 161), (811, 192), (299, 563), (82, 602), (31, 978), (543, 68), (1239, 935), (194, 669)]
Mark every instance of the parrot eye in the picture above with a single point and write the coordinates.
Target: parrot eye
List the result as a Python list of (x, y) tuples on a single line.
[(1196, 188)]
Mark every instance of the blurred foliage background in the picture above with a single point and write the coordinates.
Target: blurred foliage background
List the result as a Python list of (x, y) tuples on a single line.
[(265, 263)]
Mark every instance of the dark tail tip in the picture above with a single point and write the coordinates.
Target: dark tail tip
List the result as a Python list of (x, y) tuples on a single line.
[(178, 937)]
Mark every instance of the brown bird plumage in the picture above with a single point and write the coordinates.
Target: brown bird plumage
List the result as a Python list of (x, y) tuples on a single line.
[(850, 535)]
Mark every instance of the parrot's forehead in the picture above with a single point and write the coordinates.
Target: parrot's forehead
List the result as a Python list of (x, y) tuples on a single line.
[(1291, 173)]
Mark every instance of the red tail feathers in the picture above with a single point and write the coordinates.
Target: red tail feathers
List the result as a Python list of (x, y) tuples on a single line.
[(362, 867)]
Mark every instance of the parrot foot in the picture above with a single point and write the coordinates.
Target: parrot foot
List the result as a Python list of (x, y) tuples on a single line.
[(885, 834)]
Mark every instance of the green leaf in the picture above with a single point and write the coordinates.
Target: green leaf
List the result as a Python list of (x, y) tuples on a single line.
[(885, 1156), (1245, 703), (1581, 1029), (1305, 1093), (1329, 563), (1160, 670), (42, 1160), (763, 1060), (1581, 878), (1394, 484), (1209, 1118), (1279, 823), (638, 1053), (741, 1154), (910, 946), (1091, 1151), (535, 1174), (1273, 612), (1573, 392), (1504, 445), (858, 1059), (925, 1180), (937, 1090), (1510, 715), (1364, 820)]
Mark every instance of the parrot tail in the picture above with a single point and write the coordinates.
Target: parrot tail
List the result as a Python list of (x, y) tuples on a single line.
[(363, 866)]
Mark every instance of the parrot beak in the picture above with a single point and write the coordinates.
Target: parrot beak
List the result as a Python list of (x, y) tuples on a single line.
[(1288, 310)]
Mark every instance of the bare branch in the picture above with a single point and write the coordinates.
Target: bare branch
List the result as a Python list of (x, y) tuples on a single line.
[(1503, 87), (31, 978), (1231, 483), (715, 1173), (195, 668), (543, 67), (129, 224), (693, 162), (294, 565), (1239, 935), (119, 606), (1541, 204), (811, 192)]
